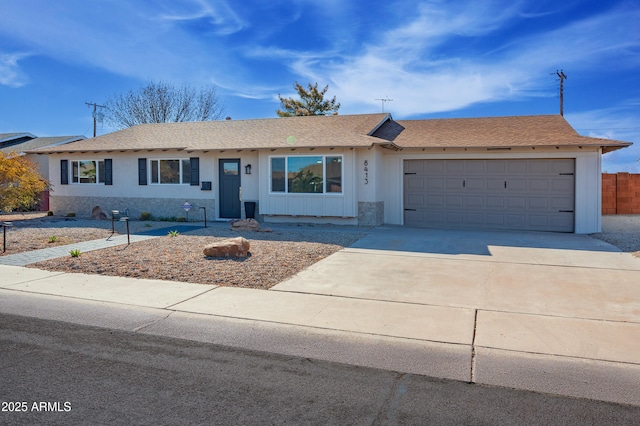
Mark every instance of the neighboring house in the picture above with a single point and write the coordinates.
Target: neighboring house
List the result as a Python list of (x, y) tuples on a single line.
[(23, 142), (528, 173)]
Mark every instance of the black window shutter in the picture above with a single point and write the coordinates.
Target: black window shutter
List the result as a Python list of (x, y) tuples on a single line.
[(108, 171), (142, 171), (64, 172), (195, 171)]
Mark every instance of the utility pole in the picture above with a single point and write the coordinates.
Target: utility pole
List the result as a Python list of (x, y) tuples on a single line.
[(383, 102), (562, 77), (95, 115)]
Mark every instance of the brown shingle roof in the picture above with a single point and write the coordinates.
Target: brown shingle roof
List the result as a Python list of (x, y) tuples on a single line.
[(489, 132), (35, 143), (344, 131), (301, 132)]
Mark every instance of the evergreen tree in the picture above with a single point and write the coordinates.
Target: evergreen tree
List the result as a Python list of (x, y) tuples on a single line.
[(311, 102)]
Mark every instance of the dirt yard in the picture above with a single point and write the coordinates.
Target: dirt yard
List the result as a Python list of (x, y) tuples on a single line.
[(274, 256)]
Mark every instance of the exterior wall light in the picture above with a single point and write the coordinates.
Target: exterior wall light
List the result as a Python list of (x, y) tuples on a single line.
[(247, 169)]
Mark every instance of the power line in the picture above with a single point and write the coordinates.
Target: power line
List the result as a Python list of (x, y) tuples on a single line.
[(562, 77), (97, 115)]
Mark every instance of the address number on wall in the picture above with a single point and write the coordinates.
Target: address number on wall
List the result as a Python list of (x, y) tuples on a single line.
[(366, 172)]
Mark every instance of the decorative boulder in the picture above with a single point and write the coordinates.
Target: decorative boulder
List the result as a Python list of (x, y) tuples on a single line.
[(232, 247), (97, 213), (245, 225)]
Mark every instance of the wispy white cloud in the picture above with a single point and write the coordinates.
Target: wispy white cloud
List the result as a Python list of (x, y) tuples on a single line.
[(407, 63), (618, 123), (218, 14), (123, 37), (10, 73)]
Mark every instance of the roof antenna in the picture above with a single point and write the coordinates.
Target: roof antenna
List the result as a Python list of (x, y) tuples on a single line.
[(383, 100), (562, 77)]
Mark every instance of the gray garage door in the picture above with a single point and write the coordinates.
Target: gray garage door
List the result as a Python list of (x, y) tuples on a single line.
[(535, 195)]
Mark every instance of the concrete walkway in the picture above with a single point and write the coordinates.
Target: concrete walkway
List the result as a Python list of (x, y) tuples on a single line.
[(557, 313), (35, 256)]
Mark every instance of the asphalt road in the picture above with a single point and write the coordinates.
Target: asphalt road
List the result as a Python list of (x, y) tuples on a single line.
[(61, 373)]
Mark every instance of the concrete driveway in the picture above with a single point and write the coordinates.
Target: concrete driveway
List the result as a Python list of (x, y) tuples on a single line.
[(540, 311), (539, 273)]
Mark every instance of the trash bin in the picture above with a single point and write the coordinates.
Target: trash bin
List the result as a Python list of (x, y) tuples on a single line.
[(250, 209)]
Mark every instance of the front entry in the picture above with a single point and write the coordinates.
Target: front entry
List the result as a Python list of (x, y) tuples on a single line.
[(229, 188)]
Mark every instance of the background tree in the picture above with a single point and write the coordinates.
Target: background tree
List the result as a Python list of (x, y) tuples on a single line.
[(311, 102), (162, 103), (20, 183)]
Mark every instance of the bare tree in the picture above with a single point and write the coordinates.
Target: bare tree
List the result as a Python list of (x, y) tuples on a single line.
[(160, 102)]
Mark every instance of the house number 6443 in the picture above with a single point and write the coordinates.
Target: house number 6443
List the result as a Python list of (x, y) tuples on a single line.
[(366, 172)]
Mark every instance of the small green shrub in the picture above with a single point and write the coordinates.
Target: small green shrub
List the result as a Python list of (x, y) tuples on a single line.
[(71, 214), (173, 233), (53, 239), (181, 219), (147, 225), (75, 253), (167, 219), (145, 216), (49, 213)]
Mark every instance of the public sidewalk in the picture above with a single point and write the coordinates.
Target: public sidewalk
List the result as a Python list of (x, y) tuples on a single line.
[(544, 312)]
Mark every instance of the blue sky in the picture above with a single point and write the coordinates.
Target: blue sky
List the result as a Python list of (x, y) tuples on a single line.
[(435, 59)]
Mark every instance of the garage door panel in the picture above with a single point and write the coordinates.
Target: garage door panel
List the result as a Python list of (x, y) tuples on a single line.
[(416, 201), (454, 184), (539, 167), (436, 167), (473, 184), (562, 166), (562, 185), (538, 185), (415, 184), (516, 203), (455, 167), (435, 201), (561, 221), (454, 201), (454, 218), (494, 184), (561, 203), (475, 167), (538, 203), (434, 184), (436, 217), (495, 219), (519, 185), (539, 195), (538, 221), (518, 167), (496, 166), (494, 202), (516, 221), (415, 217), (414, 167), (473, 202)]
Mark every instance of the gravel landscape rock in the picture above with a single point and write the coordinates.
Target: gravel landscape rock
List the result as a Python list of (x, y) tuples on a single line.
[(273, 257)]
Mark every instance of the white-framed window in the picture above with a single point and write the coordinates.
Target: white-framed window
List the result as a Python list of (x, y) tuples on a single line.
[(87, 171), (170, 171), (306, 174)]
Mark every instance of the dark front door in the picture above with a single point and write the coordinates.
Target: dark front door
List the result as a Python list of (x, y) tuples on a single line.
[(229, 188)]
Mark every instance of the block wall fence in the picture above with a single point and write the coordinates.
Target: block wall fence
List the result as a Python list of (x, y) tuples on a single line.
[(620, 193)]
